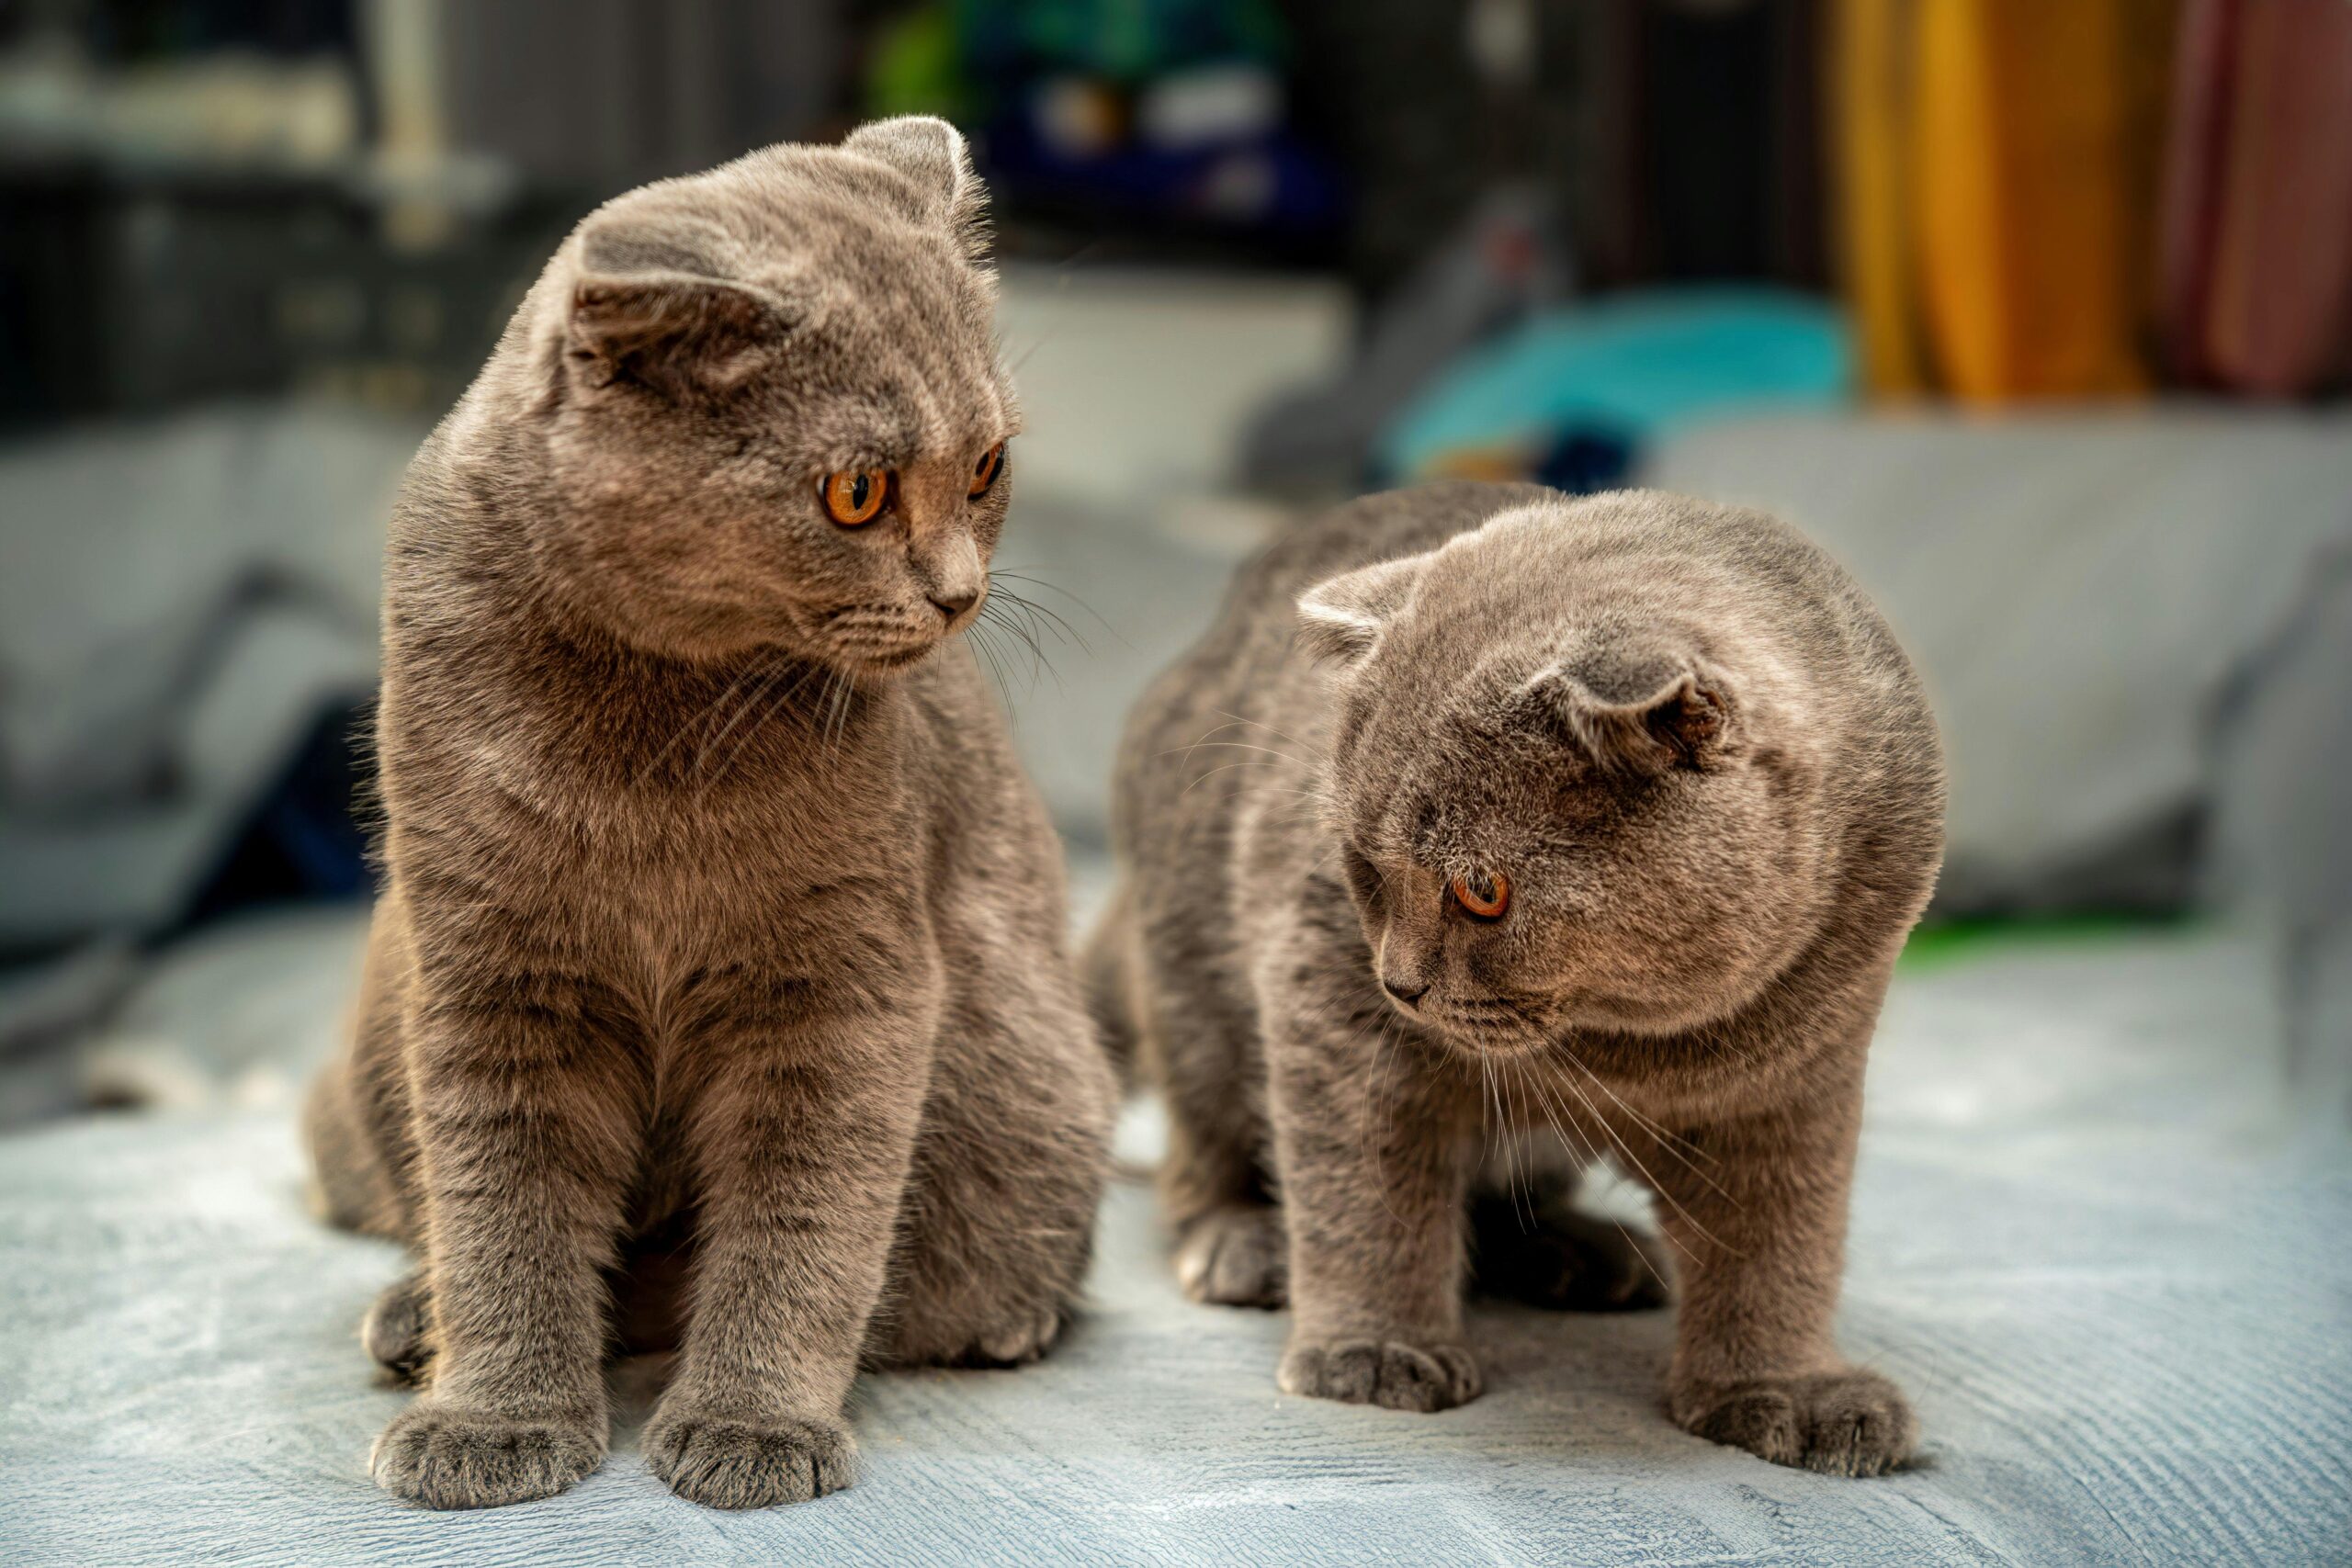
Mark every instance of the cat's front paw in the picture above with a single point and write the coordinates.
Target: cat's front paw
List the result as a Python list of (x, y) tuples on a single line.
[(724, 1461), (445, 1456), (1843, 1423), (1392, 1373), (1236, 1256)]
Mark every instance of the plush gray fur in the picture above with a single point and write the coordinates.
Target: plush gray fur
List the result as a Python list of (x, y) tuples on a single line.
[(720, 967), (1709, 775)]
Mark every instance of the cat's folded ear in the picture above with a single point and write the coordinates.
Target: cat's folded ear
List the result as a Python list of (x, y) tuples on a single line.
[(1340, 618), (931, 157), (1634, 712), (649, 306)]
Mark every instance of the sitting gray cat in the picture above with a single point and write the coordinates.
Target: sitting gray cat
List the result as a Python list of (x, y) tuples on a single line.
[(1485, 812), (719, 992)]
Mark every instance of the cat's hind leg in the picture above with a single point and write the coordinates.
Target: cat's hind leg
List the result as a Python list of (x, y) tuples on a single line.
[(1530, 1243), (997, 1224), (397, 1330), (1197, 1035)]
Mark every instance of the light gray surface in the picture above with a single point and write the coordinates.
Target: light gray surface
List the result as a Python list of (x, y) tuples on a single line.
[(2122, 1300), (2075, 586), (180, 600)]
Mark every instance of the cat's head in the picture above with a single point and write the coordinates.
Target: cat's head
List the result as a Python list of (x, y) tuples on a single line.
[(774, 415), (1556, 812)]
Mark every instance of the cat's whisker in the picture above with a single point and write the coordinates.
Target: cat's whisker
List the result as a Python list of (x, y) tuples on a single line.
[(1519, 1117), (1666, 1140), (995, 615), (983, 653), (839, 728), (750, 731), (1624, 1148), (1035, 621), (1060, 627), (1591, 1160), (743, 710), (700, 714), (1057, 588)]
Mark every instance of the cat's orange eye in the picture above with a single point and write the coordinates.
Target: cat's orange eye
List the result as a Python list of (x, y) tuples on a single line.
[(855, 499), (1485, 897), (985, 471)]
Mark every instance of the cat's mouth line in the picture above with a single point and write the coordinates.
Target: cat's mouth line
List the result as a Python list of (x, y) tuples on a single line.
[(1485, 1027), (899, 658), (879, 652)]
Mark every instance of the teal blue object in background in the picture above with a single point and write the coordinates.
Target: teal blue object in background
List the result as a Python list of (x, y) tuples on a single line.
[(1626, 367)]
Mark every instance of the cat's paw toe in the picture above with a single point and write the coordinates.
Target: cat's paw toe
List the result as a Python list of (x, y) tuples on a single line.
[(1237, 1255), (1843, 1423), (1391, 1373), (728, 1462), (447, 1457), (1588, 1267), (394, 1331), (1021, 1339)]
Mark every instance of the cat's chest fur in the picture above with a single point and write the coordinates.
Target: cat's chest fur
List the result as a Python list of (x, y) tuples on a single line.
[(665, 841)]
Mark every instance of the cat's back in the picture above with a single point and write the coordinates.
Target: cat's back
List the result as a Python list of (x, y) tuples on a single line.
[(1235, 669), (1729, 579)]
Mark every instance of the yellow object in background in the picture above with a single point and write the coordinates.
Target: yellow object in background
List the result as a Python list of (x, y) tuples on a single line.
[(1871, 57), (2032, 235)]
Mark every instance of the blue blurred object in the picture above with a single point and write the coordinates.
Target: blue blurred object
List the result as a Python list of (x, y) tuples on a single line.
[(1278, 186), (1618, 372), (1167, 115), (1120, 41)]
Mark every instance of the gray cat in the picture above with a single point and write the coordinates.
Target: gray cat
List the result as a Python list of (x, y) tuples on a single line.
[(1484, 812), (718, 993)]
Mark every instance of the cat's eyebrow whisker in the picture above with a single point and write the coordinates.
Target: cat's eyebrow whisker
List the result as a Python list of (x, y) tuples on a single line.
[(1035, 344), (1214, 772), (1229, 746), (1234, 745), (1278, 735)]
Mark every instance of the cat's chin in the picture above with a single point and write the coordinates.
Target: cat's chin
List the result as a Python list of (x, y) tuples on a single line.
[(869, 665), (1485, 1037)]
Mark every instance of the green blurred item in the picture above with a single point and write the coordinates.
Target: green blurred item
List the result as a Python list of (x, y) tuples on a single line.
[(917, 66)]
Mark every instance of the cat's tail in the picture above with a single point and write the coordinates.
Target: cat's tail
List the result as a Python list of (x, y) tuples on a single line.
[(1107, 971)]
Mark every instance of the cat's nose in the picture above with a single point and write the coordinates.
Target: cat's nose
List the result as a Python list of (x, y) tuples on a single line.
[(1403, 992), (954, 604)]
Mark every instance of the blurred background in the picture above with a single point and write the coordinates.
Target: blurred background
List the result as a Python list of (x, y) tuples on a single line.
[(2039, 315)]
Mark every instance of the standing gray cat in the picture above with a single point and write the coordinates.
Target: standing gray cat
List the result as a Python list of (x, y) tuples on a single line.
[(1483, 812), (722, 941)]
